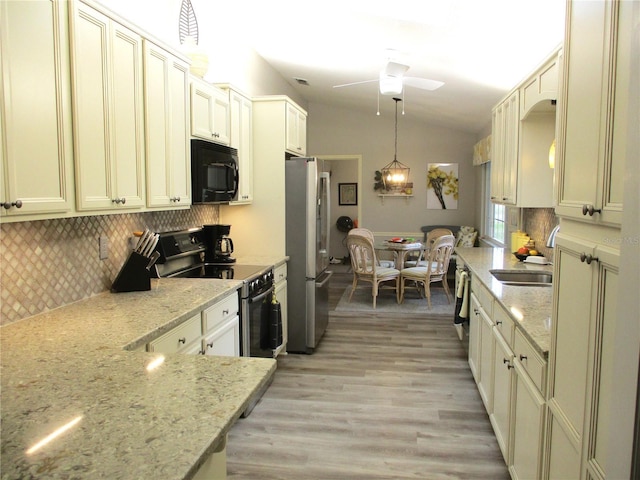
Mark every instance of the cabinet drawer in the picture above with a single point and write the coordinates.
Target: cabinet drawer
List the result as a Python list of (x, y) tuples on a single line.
[(504, 323), (483, 295), (217, 313), (181, 336), (280, 273), (533, 364)]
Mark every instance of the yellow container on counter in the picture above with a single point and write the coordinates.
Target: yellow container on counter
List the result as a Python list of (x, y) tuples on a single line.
[(518, 239)]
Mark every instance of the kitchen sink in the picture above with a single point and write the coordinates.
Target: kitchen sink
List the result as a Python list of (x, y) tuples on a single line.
[(523, 278)]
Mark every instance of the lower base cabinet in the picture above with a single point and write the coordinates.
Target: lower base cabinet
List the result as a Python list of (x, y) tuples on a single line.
[(527, 426), (215, 468), (500, 414)]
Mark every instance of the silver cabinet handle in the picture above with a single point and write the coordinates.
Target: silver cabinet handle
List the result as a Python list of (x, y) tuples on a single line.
[(590, 209), (588, 258), (8, 205)]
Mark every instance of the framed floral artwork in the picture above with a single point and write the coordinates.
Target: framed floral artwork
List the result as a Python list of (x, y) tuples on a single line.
[(442, 186)]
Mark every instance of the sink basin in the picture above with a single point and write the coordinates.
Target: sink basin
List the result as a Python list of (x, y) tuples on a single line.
[(524, 278)]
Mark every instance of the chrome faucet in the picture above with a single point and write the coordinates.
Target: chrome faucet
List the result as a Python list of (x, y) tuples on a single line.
[(551, 241)]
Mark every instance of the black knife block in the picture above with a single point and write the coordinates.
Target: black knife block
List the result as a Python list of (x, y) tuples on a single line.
[(133, 276)]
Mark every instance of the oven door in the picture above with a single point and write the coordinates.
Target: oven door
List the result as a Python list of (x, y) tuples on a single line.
[(257, 328)]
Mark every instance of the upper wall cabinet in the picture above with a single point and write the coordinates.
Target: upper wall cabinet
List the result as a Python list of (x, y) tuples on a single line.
[(523, 129), (296, 141), (504, 165), (106, 60), (36, 162), (209, 112), (594, 108), (166, 90), (241, 138)]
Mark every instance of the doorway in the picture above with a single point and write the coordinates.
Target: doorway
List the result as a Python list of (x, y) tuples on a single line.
[(344, 169)]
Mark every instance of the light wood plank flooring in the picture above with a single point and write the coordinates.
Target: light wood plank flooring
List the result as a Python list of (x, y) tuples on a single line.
[(381, 398)]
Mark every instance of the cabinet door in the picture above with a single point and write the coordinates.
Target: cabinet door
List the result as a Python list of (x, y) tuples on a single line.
[(500, 415), (487, 355), (528, 425), (107, 104), (167, 129), (504, 164), (242, 139), (209, 112), (475, 345), (36, 162), (225, 340), (590, 177), (296, 140)]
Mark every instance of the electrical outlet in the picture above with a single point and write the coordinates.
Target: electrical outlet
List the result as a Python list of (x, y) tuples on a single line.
[(103, 247)]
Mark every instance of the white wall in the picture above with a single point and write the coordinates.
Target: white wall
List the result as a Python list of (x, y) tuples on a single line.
[(336, 131), (342, 171)]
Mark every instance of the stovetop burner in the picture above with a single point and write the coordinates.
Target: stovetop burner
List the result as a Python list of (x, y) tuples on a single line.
[(225, 271)]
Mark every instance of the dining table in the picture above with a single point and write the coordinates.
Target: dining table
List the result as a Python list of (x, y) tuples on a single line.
[(400, 250)]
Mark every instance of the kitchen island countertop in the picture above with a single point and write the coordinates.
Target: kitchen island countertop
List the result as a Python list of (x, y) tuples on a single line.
[(85, 363), (532, 304)]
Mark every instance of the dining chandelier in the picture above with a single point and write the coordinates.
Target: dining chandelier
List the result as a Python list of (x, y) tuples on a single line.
[(395, 174)]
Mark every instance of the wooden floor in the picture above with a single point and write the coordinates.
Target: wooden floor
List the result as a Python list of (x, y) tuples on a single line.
[(381, 398)]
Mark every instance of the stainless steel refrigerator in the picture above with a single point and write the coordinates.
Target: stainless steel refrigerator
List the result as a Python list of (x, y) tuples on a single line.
[(307, 237)]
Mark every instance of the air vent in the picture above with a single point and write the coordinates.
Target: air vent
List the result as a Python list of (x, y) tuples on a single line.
[(301, 81)]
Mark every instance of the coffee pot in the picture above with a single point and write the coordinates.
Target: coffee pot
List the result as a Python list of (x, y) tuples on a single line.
[(219, 245)]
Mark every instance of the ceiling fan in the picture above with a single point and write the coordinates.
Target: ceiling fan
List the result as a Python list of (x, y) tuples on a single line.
[(392, 80)]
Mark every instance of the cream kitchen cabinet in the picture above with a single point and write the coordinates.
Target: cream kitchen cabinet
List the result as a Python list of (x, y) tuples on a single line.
[(523, 129), (504, 164), (280, 290), (241, 138), (482, 308), (36, 158), (166, 87), (583, 322), (475, 345), (209, 112), (185, 338), (296, 142), (594, 111), (267, 212), (541, 87), (528, 415), (221, 327), (500, 413), (213, 331), (106, 60)]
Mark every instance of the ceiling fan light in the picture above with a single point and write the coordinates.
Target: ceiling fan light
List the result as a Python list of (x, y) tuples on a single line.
[(389, 84)]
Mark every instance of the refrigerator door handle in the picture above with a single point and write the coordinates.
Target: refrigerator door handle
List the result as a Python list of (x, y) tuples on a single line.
[(324, 278)]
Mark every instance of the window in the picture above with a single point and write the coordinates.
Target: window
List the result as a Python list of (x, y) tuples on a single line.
[(495, 219)]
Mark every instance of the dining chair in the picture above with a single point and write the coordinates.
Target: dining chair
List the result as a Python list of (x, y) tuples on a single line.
[(435, 270), (365, 266), (431, 237)]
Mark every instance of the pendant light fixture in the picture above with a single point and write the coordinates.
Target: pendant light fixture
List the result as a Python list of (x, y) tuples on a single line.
[(395, 175)]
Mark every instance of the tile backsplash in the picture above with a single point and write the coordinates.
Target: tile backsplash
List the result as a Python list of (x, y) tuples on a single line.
[(538, 223), (49, 263)]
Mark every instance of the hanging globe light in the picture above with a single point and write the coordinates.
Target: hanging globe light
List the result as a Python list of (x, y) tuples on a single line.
[(395, 174)]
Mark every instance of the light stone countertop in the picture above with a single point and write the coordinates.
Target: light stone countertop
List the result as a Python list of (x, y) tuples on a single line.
[(533, 302), (73, 362)]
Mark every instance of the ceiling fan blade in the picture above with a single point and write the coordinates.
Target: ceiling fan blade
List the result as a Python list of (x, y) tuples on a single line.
[(395, 69), (423, 83), (354, 83)]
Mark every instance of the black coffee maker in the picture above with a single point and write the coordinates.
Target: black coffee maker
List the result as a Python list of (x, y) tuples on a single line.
[(219, 245)]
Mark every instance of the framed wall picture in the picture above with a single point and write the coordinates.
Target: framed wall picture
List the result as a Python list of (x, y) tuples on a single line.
[(442, 186), (348, 193)]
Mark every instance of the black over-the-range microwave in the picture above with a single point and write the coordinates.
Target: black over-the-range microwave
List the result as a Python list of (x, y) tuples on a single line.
[(214, 172)]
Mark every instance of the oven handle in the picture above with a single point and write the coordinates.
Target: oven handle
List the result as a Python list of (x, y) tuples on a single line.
[(261, 296)]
